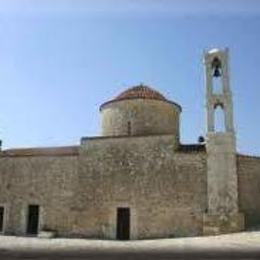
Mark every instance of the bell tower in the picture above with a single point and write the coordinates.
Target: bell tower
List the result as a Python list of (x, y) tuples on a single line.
[(216, 69), (222, 214)]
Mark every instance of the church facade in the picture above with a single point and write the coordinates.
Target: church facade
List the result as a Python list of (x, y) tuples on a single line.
[(136, 180)]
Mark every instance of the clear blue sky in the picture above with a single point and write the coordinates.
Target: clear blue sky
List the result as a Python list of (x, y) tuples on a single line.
[(59, 60)]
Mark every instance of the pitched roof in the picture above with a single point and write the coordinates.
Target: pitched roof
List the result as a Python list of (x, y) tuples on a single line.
[(46, 151)]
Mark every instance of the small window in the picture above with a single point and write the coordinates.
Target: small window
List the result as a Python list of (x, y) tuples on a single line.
[(2, 212), (129, 128)]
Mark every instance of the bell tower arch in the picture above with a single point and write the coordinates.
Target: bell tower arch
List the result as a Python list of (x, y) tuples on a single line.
[(222, 214), (216, 68)]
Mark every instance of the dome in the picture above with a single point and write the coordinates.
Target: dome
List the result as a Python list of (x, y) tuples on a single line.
[(140, 110), (141, 91), (138, 92)]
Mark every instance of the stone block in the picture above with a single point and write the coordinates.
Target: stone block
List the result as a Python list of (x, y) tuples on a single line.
[(222, 224)]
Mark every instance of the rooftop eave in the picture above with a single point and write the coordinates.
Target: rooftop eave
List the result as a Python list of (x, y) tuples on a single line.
[(125, 99)]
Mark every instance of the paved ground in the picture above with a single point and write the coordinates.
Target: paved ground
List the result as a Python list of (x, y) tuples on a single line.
[(244, 245)]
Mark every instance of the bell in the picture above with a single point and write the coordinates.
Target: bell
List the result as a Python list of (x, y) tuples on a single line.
[(217, 72)]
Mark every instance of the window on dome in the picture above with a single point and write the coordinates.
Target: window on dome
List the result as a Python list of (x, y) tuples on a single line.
[(129, 128)]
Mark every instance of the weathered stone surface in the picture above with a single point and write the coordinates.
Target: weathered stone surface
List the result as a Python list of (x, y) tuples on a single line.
[(165, 190), (146, 117), (222, 174), (79, 195), (222, 223), (46, 181), (222, 180), (249, 188)]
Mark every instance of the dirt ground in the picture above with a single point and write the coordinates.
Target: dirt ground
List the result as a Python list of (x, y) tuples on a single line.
[(245, 245)]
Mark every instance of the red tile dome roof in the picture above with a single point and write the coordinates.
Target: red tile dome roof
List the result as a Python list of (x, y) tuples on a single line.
[(139, 92)]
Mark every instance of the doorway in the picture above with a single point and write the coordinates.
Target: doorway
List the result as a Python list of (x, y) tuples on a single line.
[(123, 224), (33, 220), (2, 210)]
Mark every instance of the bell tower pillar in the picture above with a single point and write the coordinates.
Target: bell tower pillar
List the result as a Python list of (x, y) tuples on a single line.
[(222, 214)]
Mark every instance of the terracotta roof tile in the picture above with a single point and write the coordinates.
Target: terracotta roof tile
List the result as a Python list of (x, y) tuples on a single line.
[(139, 92), (46, 151), (248, 156)]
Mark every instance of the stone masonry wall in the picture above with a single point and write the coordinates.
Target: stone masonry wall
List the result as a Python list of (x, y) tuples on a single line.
[(249, 188), (146, 117), (44, 180), (79, 195), (222, 174), (164, 189)]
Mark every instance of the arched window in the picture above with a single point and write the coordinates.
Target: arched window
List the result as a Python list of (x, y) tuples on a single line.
[(219, 119), (217, 76)]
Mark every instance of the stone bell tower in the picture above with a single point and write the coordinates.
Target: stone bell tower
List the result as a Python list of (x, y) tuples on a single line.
[(222, 214)]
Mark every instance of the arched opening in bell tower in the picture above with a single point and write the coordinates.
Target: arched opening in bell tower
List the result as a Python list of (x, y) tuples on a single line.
[(217, 83), (219, 119)]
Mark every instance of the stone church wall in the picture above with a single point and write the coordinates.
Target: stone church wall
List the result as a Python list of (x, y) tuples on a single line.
[(164, 189), (47, 181), (249, 188)]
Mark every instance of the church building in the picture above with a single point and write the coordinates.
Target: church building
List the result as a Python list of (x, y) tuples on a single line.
[(137, 180)]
